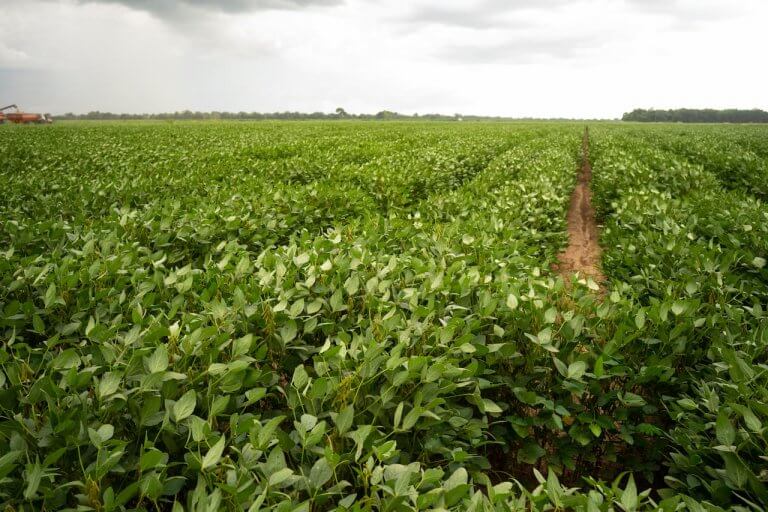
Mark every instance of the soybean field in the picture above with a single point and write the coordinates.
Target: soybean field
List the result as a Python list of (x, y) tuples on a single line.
[(360, 315)]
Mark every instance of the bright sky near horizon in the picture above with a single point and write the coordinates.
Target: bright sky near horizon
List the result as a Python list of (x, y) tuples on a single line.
[(538, 58)]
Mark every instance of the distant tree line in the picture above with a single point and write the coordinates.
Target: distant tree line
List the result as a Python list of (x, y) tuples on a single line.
[(692, 115), (339, 113)]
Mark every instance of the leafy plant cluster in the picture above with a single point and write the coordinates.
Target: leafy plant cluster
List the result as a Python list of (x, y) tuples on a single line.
[(692, 255), (735, 155)]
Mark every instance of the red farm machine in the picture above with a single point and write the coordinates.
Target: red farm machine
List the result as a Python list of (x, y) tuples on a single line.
[(19, 117)]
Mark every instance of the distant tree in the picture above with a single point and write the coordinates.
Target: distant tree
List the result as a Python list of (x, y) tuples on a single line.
[(341, 112)]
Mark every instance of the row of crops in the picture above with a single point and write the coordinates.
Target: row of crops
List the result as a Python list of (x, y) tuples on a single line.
[(363, 316), (688, 248)]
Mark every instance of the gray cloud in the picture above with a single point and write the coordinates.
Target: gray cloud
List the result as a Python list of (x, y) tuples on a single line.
[(173, 9), (453, 17), (687, 12), (483, 15), (490, 14)]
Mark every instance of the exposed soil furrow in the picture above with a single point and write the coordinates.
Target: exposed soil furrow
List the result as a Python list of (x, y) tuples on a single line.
[(582, 256)]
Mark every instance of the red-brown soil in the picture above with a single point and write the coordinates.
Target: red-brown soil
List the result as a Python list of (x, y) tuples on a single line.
[(582, 256)]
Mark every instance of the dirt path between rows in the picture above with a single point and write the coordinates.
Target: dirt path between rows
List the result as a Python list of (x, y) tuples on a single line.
[(582, 256)]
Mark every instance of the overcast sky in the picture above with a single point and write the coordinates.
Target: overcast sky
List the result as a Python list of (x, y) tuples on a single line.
[(544, 58)]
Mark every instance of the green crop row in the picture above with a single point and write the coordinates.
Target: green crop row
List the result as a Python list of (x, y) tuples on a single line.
[(691, 255)]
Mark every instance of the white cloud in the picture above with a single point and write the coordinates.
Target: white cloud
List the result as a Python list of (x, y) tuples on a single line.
[(588, 58)]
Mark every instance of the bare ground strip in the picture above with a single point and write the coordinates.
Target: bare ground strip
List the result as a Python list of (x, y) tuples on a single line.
[(582, 256)]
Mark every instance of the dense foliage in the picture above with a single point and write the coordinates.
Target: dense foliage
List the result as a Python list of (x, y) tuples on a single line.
[(693, 115), (338, 114), (692, 253), (358, 316)]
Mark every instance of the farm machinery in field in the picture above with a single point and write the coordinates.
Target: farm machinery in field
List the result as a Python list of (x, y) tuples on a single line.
[(20, 117)]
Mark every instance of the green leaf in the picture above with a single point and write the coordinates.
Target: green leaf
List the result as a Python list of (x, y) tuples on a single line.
[(629, 501), (214, 454), (491, 407), (640, 319), (301, 259), (50, 296), (297, 308), (242, 346), (151, 459), (344, 419), (359, 436), (278, 477), (726, 434), (66, 360), (300, 378), (38, 324), (158, 361), (101, 436), (398, 415), (561, 368), (526, 396), (456, 487), (554, 488), (687, 403), (7, 462), (106, 432), (411, 418), (314, 306), (308, 422), (109, 383), (337, 301), (750, 420), (598, 369), (288, 331), (320, 473), (632, 399), (457, 478), (254, 395), (403, 483), (33, 475), (502, 489), (352, 285), (678, 308), (576, 370), (580, 434), (266, 434), (512, 301), (530, 452), (185, 406), (735, 470)]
